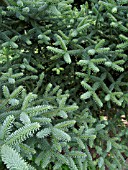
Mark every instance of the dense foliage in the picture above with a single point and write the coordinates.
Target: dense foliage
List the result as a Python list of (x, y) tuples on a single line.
[(64, 84)]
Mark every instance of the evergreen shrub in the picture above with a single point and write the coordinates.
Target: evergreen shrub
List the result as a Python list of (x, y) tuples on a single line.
[(63, 84)]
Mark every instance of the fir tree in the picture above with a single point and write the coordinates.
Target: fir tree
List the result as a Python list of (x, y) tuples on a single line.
[(63, 84)]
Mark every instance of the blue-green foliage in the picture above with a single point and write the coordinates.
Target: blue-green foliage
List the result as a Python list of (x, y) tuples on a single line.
[(63, 84)]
